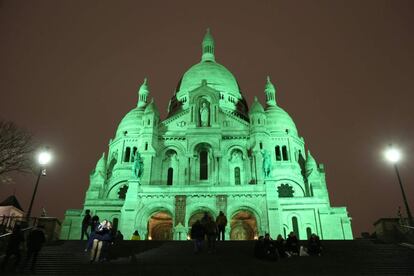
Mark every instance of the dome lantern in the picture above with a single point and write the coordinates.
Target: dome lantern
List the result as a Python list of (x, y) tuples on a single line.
[(270, 92), (208, 47), (143, 94)]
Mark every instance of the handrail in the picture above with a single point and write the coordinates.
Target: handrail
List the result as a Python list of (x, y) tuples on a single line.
[(9, 234), (407, 226)]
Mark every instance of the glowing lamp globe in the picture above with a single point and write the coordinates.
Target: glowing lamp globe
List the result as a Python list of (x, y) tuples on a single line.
[(393, 155), (44, 158)]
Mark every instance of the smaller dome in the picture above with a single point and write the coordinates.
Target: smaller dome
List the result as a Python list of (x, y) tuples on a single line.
[(310, 165), (131, 123), (256, 107), (279, 120)]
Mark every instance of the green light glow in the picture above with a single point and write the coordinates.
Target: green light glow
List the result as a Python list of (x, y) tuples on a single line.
[(209, 155)]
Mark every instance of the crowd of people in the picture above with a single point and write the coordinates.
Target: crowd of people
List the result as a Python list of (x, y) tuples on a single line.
[(268, 249), (208, 229), (204, 231)]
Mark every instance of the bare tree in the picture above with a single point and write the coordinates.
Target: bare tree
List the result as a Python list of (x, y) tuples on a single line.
[(16, 149)]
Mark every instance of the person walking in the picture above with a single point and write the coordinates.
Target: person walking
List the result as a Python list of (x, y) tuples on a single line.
[(197, 234), (35, 242), (211, 232), (13, 247), (86, 222), (221, 221)]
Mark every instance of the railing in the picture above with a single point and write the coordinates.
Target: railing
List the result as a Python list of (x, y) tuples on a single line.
[(7, 223)]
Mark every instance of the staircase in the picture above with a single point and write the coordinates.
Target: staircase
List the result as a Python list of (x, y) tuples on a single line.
[(358, 257)]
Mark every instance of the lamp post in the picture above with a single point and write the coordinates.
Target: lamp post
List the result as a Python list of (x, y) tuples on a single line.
[(393, 155), (43, 159)]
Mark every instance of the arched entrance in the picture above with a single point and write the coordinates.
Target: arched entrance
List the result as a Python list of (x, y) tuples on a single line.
[(198, 216), (243, 226), (160, 226)]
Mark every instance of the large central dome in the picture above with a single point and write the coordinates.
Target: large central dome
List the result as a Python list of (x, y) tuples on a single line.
[(216, 75)]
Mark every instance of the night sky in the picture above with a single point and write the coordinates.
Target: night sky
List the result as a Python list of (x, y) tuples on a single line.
[(70, 70)]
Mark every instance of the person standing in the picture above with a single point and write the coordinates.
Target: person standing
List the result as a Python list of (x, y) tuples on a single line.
[(221, 221), (13, 247), (35, 242), (86, 222), (197, 234), (135, 236), (211, 232)]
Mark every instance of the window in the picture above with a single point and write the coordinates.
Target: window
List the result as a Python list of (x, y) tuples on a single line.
[(127, 154), (146, 146), (261, 145), (308, 232), (284, 153), (203, 165), (170, 175), (277, 153), (295, 226), (237, 176), (311, 189), (122, 192)]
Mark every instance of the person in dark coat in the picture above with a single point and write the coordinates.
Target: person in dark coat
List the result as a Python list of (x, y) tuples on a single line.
[(259, 248), (13, 247), (197, 234), (86, 222), (280, 244), (292, 244), (94, 225), (221, 221), (35, 242), (314, 245), (269, 247), (211, 233)]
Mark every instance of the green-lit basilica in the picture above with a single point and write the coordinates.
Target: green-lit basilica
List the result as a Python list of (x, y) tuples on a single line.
[(210, 154)]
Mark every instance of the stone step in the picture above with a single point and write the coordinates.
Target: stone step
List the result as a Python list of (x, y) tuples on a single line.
[(358, 257)]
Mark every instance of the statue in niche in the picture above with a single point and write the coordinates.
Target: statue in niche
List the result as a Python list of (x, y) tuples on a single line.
[(138, 167), (267, 163), (236, 156), (204, 114)]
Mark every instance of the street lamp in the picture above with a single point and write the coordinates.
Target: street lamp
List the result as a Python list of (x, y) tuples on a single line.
[(393, 155), (43, 158)]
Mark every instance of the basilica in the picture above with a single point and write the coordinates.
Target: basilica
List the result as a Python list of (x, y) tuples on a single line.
[(211, 153)]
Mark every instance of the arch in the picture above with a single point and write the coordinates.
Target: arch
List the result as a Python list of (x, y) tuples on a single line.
[(113, 192), (196, 208), (145, 212), (298, 189), (243, 225), (198, 215), (179, 149), (170, 175), (250, 207), (160, 226)]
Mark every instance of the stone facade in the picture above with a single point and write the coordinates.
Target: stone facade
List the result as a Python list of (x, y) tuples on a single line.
[(210, 154)]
